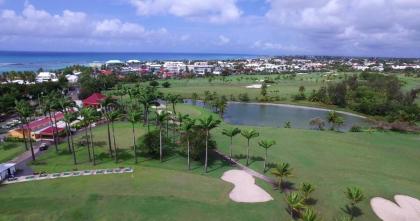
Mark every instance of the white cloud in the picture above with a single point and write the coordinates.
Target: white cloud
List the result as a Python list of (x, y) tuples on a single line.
[(223, 40), (215, 11), (40, 23), (266, 45), (350, 23)]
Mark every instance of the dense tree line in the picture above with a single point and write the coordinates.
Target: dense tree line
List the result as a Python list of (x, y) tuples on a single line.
[(373, 94)]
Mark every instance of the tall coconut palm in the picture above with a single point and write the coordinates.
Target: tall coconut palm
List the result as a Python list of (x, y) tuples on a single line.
[(114, 116), (64, 104), (249, 134), (133, 116), (295, 203), (48, 106), (24, 111), (85, 121), (208, 124), (173, 100), (306, 189), (231, 132), (161, 118), (146, 96), (107, 104), (68, 118), (266, 144), (282, 171), (90, 115), (181, 118), (187, 126)]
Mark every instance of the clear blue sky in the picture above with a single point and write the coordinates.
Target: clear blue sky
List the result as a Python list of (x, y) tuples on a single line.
[(281, 27)]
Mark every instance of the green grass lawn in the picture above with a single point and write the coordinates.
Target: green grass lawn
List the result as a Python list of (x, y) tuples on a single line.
[(381, 163), (9, 150)]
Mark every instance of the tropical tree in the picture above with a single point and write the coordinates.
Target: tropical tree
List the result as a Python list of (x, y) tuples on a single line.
[(249, 134), (288, 124), (173, 100), (282, 171), (309, 215), (133, 116), (208, 124), (160, 119), (334, 119), (24, 111), (266, 144), (181, 118), (187, 126), (114, 115), (295, 203), (48, 106), (89, 115), (65, 103), (306, 189), (231, 132), (68, 118), (107, 105), (146, 96)]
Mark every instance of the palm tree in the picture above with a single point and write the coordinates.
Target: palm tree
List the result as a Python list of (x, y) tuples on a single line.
[(187, 126), (64, 103), (107, 104), (90, 115), (249, 134), (68, 118), (231, 132), (282, 171), (181, 118), (207, 124), (306, 189), (84, 113), (334, 119), (133, 116), (146, 96), (294, 201), (266, 144), (222, 105), (113, 116), (173, 99), (309, 215), (161, 118), (48, 107), (23, 109)]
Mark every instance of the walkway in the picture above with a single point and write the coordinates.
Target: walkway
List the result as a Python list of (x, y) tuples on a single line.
[(70, 174), (248, 170)]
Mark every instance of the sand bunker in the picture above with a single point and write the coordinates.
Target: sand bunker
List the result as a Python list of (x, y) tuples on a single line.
[(406, 209), (245, 190)]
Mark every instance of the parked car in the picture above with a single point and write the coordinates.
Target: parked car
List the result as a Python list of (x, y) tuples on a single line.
[(43, 146)]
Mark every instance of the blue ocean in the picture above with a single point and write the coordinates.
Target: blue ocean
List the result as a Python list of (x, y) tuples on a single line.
[(32, 61)]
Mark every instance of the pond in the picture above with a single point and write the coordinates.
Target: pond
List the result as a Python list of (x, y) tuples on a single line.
[(276, 115)]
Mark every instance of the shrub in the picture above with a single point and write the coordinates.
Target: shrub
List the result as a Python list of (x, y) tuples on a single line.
[(166, 84), (244, 97), (197, 144), (356, 128), (149, 143)]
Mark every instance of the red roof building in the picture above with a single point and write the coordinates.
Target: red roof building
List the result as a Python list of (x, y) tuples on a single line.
[(94, 100)]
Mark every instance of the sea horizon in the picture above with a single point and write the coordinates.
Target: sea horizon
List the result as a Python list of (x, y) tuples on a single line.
[(51, 60)]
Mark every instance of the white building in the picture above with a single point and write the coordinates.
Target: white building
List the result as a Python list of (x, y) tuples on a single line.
[(7, 170), (46, 76), (201, 68), (175, 66), (72, 78)]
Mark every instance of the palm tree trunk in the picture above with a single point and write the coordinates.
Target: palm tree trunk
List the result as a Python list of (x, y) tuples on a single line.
[(134, 144), (56, 132), (207, 141), (91, 143), (247, 154), (88, 143), (167, 128), (24, 135), (52, 124), (115, 143), (188, 152), (109, 139), (265, 160), (160, 142), (68, 137), (30, 144), (230, 156), (72, 147)]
